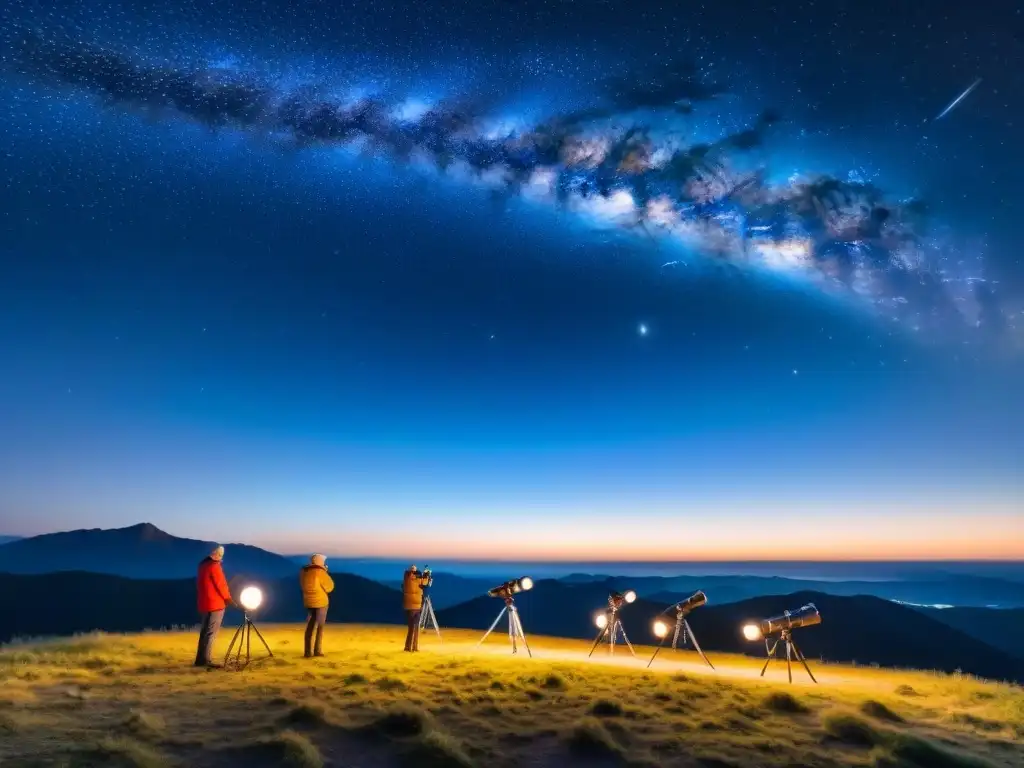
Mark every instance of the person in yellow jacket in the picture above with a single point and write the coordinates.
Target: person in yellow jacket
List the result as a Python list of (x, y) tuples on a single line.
[(316, 585), (412, 600)]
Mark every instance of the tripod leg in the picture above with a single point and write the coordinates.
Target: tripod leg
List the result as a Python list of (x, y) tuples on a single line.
[(800, 656), (689, 631), (241, 642), (262, 640), (433, 619), (492, 626), (231, 645), (513, 633), (675, 634), (248, 643), (771, 653), (789, 659), (662, 643), (522, 634), (597, 640), (629, 645)]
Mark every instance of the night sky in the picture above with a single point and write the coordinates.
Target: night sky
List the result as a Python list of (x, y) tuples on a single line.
[(516, 279)]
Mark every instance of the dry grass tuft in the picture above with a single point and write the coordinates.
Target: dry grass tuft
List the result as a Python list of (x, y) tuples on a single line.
[(591, 740), (850, 729), (145, 725), (437, 749), (400, 722), (786, 703), (114, 750), (9, 722), (307, 714), (606, 708), (555, 683), (908, 749), (293, 749), (879, 711)]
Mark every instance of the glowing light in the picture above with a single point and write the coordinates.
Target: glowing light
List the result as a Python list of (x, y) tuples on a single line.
[(630, 596), (642, 329), (752, 632), (793, 253), (251, 598), (660, 629), (412, 110), (526, 583), (601, 620), (616, 205)]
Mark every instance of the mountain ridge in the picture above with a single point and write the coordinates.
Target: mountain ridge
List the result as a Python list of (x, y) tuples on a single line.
[(140, 551)]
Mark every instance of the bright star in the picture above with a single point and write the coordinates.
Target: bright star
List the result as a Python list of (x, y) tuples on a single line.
[(642, 329)]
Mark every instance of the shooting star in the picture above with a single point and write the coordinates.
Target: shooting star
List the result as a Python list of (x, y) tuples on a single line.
[(958, 99)]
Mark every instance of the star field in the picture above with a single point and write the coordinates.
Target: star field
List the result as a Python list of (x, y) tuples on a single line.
[(350, 262)]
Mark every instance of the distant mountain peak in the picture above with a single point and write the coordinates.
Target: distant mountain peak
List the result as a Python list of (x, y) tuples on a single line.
[(147, 532)]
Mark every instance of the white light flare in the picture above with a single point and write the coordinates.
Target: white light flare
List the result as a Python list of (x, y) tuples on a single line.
[(251, 598)]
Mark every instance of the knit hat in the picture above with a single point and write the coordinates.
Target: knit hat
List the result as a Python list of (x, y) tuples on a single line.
[(413, 568), (217, 553), (318, 559)]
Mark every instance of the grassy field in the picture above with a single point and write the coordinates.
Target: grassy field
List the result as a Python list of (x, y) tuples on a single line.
[(110, 700)]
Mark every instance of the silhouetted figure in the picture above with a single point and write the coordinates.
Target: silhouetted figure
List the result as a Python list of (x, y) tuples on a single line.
[(316, 584), (412, 600), (213, 597)]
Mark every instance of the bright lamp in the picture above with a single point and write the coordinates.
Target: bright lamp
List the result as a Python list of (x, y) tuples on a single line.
[(251, 598)]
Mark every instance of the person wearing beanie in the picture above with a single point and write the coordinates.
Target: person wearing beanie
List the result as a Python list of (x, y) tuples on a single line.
[(316, 585), (213, 597), (412, 601)]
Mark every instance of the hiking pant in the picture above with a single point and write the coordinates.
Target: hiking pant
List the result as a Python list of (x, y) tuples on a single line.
[(412, 637), (208, 636), (317, 619)]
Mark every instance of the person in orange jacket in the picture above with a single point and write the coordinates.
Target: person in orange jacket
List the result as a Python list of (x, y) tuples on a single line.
[(213, 596), (316, 585), (412, 600)]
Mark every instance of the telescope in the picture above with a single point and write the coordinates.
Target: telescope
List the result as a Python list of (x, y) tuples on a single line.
[(806, 616), (429, 576), (513, 587), (515, 625), (618, 599), (608, 621), (682, 626), (250, 598), (781, 629)]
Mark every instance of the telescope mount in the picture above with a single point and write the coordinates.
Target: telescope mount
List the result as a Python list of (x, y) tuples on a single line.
[(612, 627), (682, 628), (791, 651), (427, 616), (515, 627)]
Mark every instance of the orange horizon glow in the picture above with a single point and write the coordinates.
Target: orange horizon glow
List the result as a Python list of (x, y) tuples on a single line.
[(939, 538)]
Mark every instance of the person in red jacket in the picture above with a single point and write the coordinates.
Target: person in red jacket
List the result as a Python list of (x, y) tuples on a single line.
[(213, 597)]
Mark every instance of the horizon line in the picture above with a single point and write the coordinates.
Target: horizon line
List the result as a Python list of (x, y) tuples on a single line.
[(765, 561)]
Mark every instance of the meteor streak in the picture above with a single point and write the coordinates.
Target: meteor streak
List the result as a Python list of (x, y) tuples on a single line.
[(958, 99)]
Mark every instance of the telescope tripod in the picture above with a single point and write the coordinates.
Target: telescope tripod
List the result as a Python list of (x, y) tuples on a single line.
[(682, 627), (243, 636), (613, 626), (427, 616), (515, 627), (791, 650)]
